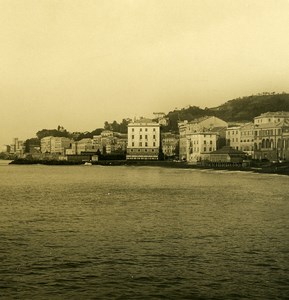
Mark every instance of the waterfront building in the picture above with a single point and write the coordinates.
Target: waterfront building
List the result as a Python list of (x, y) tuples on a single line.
[(106, 141), (227, 156), (183, 140), (119, 142), (233, 135), (143, 140), (247, 138), (55, 145), (202, 126), (170, 144), (17, 147), (85, 145), (109, 142), (200, 145), (45, 144), (271, 136), (97, 143), (271, 118)]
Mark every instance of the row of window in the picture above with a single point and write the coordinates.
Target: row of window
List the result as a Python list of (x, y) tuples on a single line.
[(242, 141), (205, 142), (196, 149), (269, 120), (261, 132), (139, 150), (241, 132), (141, 144), (247, 132), (268, 132), (246, 141), (140, 137), (141, 129), (233, 132)]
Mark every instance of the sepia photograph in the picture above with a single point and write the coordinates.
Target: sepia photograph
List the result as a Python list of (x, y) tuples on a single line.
[(144, 149)]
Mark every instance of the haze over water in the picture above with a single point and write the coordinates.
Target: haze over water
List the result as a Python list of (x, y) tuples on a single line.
[(75, 232)]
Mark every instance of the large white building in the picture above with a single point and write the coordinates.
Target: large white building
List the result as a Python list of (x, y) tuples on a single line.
[(55, 145), (233, 137), (189, 132), (17, 147), (265, 138), (200, 145), (143, 140), (271, 136)]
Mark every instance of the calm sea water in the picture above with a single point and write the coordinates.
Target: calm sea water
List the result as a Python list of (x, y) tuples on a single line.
[(78, 232)]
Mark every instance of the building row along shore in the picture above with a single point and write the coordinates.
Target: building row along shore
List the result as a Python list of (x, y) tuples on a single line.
[(204, 139)]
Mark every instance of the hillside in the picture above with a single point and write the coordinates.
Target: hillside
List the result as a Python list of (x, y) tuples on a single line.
[(236, 110)]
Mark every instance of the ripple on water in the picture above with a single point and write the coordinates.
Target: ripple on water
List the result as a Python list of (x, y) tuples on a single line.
[(142, 233)]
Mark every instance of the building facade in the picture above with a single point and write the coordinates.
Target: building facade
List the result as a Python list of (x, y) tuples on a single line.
[(203, 126), (170, 144), (143, 140), (55, 145), (233, 135), (272, 141), (17, 147), (200, 144), (247, 138)]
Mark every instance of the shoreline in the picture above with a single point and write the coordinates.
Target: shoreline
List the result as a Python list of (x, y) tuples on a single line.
[(279, 168)]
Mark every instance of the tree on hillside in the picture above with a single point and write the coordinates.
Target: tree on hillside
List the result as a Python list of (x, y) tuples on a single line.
[(116, 127), (52, 132)]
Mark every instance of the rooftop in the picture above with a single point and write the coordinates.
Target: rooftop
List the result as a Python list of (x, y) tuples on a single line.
[(274, 114), (228, 150)]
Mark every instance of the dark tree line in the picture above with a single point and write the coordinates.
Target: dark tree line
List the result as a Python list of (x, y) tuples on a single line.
[(117, 127)]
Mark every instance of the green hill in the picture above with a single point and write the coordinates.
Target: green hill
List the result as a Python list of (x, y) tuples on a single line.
[(236, 110)]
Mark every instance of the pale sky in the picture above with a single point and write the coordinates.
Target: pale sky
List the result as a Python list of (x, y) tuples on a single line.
[(78, 63)]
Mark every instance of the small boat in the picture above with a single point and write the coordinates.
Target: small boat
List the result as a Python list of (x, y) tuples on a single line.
[(87, 163)]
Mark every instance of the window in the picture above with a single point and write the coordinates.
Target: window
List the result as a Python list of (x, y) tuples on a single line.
[(154, 137), (132, 136), (140, 129), (140, 144), (146, 144), (154, 129), (140, 137), (131, 150), (204, 142), (154, 144), (146, 137), (132, 130), (205, 149), (211, 142), (210, 149), (132, 144), (146, 129)]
